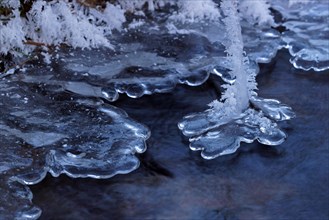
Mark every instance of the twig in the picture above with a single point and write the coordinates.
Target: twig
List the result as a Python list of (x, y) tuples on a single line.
[(34, 43)]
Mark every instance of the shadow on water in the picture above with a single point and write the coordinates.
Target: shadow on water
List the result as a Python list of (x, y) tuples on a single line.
[(289, 181)]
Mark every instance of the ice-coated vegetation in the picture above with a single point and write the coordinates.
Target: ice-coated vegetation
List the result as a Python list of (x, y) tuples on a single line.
[(57, 22), (219, 130), (71, 23), (88, 24), (62, 62)]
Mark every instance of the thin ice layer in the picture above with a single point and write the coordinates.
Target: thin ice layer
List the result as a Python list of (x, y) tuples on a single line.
[(16, 201), (42, 130), (152, 58), (216, 136), (307, 34), (136, 70)]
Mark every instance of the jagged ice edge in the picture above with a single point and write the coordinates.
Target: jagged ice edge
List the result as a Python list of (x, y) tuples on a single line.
[(220, 129)]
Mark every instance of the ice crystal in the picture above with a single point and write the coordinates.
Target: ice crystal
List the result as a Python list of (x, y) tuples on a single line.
[(55, 113), (12, 35), (256, 11), (79, 137), (307, 33), (197, 11), (220, 129), (225, 138), (68, 22)]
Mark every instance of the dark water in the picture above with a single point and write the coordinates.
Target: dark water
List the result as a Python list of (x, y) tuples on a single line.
[(289, 181)]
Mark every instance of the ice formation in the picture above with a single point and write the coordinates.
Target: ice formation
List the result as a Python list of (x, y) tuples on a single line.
[(43, 130), (56, 115), (307, 32), (220, 129)]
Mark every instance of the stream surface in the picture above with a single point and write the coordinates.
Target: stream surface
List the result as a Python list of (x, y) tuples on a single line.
[(289, 181)]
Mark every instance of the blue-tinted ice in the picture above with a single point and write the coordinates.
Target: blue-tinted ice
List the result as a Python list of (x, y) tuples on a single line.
[(56, 118), (42, 130), (141, 64), (221, 135), (307, 33), (151, 59)]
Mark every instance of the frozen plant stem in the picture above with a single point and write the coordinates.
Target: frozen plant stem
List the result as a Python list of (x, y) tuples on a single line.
[(240, 115), (235, 99), (234, 48)]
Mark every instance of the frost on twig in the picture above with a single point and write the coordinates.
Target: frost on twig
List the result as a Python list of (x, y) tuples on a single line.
[(239, 116), (90, 23), (57, 22), (256, 11), (81, 25)]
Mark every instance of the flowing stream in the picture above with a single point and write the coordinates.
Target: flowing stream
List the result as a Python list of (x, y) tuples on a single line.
[(289, 181), (73, 119)]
